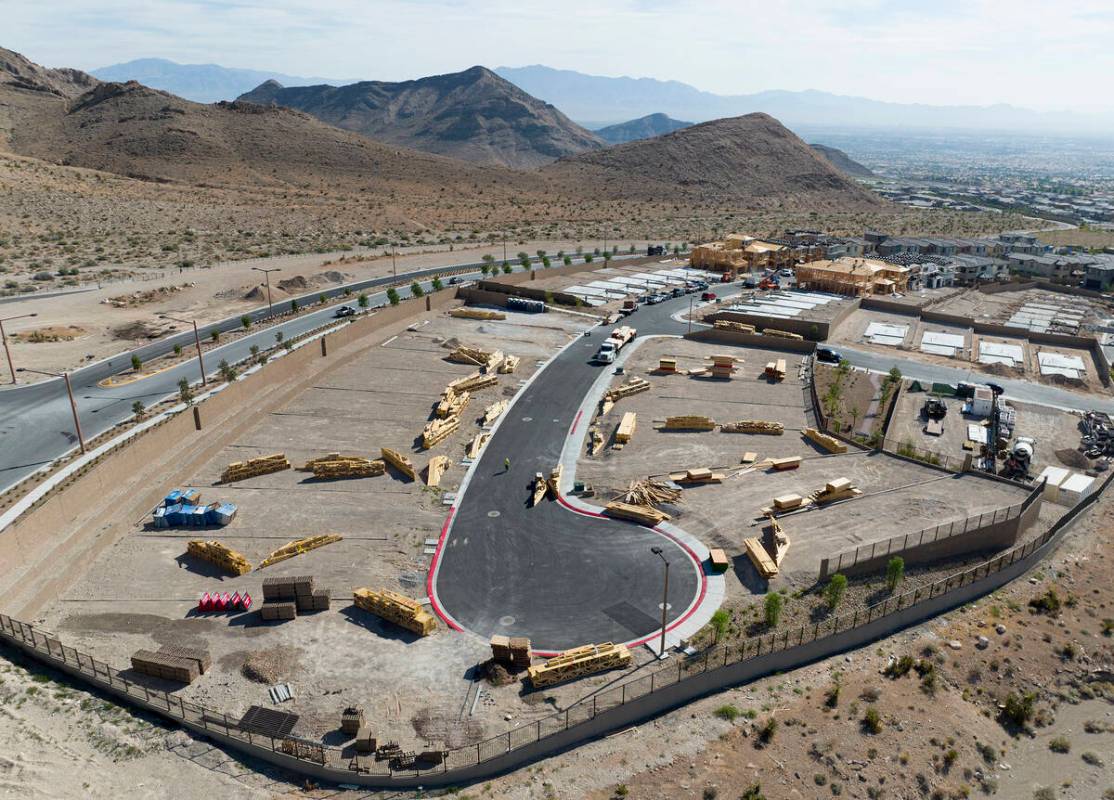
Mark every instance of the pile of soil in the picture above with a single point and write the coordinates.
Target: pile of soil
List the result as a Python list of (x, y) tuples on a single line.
[(272, 666), (258, 294), (332, 276), (297, 283), (137, 330), (437, 726), (52, 333), (1073, 458)]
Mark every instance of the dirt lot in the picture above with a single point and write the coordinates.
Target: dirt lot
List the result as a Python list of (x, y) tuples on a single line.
[(892, 488), (999, 307)]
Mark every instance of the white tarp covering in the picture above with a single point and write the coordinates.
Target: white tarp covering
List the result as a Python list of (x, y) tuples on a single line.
[(1012, 355), (885, 333), (976, 433)]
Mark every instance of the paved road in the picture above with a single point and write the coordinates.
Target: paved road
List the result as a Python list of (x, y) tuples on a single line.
[(562, 578), (36, 424)]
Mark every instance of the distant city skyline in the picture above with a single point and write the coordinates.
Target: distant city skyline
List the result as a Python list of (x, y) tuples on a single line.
[(943, 52)]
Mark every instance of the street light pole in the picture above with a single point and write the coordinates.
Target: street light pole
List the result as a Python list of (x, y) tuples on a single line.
[(196, 341), (657, 551), (267, 273), (690, 313), (4, 339), (394, 259), (73, 403)]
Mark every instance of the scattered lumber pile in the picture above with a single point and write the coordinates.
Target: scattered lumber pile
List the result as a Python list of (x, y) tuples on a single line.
[(438, 430), (829, 443), (539, 489), (476, 357), (554, 482), (782, 464), (667, 365), (595, 440), (435, 470), (469, 383), (767, 553), (753, 426), (239, 470), (399, 462), (696, 476), (297, 547), (452, 403), (512, 651), (508, 365), (729, 325), (476, 313), (723, 366), (775, 370), (396, 608), (219, 554), (782, 334), (625, 431), (649, 492), (337, 466), (644, 515), (473, 449), (838, 489), (688, 423), (578, 662), (493, 412), (633, 386)]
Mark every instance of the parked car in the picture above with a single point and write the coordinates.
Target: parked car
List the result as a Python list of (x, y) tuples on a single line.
[(654, 299), (678, 292), (785, 273), (454, 280), (344, 311), (708, 296), (828, 355)]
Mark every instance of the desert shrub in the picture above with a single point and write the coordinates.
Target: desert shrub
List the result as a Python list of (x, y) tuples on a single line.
[(727, 712), (872, 721), (1060, 744)]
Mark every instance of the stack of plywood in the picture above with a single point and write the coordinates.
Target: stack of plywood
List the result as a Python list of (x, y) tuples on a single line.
[(633, 386), (475, 447), (476, 313), (775, 370), (578, 662), (167, 667), (399, 462), (438, 430), (782, 334), (220, 554), (667, 365), (452, 403), (838, 489), (347, 467), (829, 443), (299, 546), (645, 515), (396, 608), (782, 464), (436, 469), (729, 325), (697, 475), (753, 426), (688, 423), (722, 366), (513, 651), (239, 470), (493, 412), (625, 431)]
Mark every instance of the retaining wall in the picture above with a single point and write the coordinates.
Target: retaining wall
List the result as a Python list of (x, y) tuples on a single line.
[(741, 339)]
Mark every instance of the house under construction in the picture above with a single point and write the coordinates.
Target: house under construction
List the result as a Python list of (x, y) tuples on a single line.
[(737, 251), (858, 277)]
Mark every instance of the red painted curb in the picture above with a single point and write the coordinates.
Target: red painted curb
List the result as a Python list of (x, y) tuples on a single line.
[(433, 572)]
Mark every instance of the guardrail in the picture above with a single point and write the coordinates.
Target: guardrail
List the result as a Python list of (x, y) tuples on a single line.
[(637, 699)]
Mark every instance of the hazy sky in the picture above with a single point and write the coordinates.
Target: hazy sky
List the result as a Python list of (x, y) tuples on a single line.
[(1045, 55)]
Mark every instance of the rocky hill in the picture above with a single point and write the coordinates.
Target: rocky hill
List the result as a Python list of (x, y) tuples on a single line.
[(18, 72), (843, 162), (642, 128), (473, 115), (750, 156)]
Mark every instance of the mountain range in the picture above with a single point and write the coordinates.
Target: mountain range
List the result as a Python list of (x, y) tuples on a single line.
[(642, 128)]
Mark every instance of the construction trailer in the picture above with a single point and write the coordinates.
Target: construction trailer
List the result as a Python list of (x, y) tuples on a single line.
[(578, 662), (396, 608)]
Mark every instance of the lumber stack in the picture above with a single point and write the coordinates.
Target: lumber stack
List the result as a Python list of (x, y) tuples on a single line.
[(473, 356), (782, 464), (829, 443), (299, 546), (782, 334), (667, 365), (164, 666), (838, 489), (767, 553), (399, 462), (346, 467), (578, 662), (219, 554), (625, 432), (644, 515), (730, 325), (753, 426), (476, 313), (595, 440), (650, 493), (758, 556), (470, 383), (775, 370), (697, 475), (539, 489), (633, 386), (435, 470), (452, 403), (493, 412), (475, 447), (397, 609), (722, 366), (511, 651), (508, 365), (718, 560), (239, 470), (688, 422), (553, 485), (438, 430)]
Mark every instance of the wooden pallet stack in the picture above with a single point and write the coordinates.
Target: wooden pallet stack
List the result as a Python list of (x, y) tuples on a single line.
[(644, 515), (219, 554), (723, 366), (625, 430), (328, 468), (299, 546), (553, 485), (166, 667), (761, 426), (829, 443), (512, 651), (286, 597), (239, 470), (688, 422), (435, 470), (578, 662), (438, 430), (396, 608), (476, 313), (834, 490), (399, 462), (697, 475), (730, 325), (775, 370), (201, 657)]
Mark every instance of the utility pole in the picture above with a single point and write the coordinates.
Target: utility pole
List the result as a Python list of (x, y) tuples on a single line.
[(657, 551), (690, 313), (394, 259), (73, 403), (4, 339), (196, 341), (267, 272), (504, 246)]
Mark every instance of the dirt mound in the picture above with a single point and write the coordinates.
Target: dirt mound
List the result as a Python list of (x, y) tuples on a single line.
[(52, 333), (258, 294), (332, 276), (436, 726), (137, 330), (296, 284), (1073, 459), (273, 665)]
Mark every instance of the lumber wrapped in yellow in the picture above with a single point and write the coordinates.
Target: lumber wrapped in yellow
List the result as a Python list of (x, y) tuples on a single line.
[(219, 554), (645, 515), (435, 470), (348, 468), (396, 608), (753, 426), (782, 334), (399, 462), (299, 546), (476, 313), (578, 662), (438, 430), (829, 443), (689, 422), (239, 470)]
